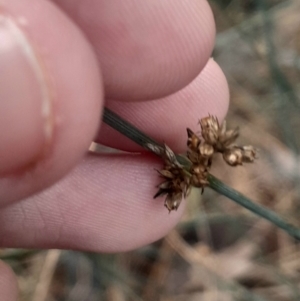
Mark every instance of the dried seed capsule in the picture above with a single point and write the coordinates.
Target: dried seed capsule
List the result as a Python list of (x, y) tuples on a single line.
[(227, 138), (173, 201), (206, 150), (177, 180), (236, 155), (199, 175), (233, 156), (193, 157), (193, 141), (199, 181), (249, 153), (210, 129), (223, 127), (165, 185), (160, 192), (166, 173)]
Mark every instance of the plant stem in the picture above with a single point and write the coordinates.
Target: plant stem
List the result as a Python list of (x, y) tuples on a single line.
[(130, 131), (262, 211)]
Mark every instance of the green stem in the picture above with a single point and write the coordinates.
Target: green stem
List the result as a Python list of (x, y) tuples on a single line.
[(130, 131), (262, 211)]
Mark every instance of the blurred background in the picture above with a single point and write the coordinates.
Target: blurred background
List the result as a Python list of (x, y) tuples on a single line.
[(220, 251)]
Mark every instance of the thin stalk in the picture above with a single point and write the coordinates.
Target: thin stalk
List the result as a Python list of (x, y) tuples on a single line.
[(262, 211), (130, 131)]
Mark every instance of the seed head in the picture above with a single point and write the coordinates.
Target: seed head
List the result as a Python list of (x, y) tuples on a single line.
[(176, 183), (233, 156), (237, 155), (179, 178), (210, 129), (217, 135)]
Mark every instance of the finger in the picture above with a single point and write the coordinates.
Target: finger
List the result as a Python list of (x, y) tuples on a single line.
[(106, 204), (8, 283), (167, 119), (147, 49), (50, 95)]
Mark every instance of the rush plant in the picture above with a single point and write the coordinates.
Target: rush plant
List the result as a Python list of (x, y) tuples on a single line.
[(181, 172)]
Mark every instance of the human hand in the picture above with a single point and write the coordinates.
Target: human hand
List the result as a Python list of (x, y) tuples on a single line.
[(55, 62)]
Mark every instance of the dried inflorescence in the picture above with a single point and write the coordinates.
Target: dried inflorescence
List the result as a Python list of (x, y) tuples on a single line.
[(177, 180), (192, 170)]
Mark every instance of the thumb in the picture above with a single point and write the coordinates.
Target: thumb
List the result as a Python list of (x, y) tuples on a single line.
[(51, 97)]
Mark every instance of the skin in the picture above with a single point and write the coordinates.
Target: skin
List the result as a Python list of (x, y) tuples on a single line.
[(152, 58)]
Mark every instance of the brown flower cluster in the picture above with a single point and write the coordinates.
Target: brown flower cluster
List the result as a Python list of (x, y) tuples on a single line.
[(192, 170)]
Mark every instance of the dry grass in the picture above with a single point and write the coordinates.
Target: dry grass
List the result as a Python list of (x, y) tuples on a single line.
[(220, 252)]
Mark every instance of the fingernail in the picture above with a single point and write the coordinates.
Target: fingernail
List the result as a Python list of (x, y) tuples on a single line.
[(25, 125)]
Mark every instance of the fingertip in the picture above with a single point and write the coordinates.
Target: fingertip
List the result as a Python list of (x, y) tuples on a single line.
[(216, 96), (167, 118), (147, 49), (68, 99), (112, 210)]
